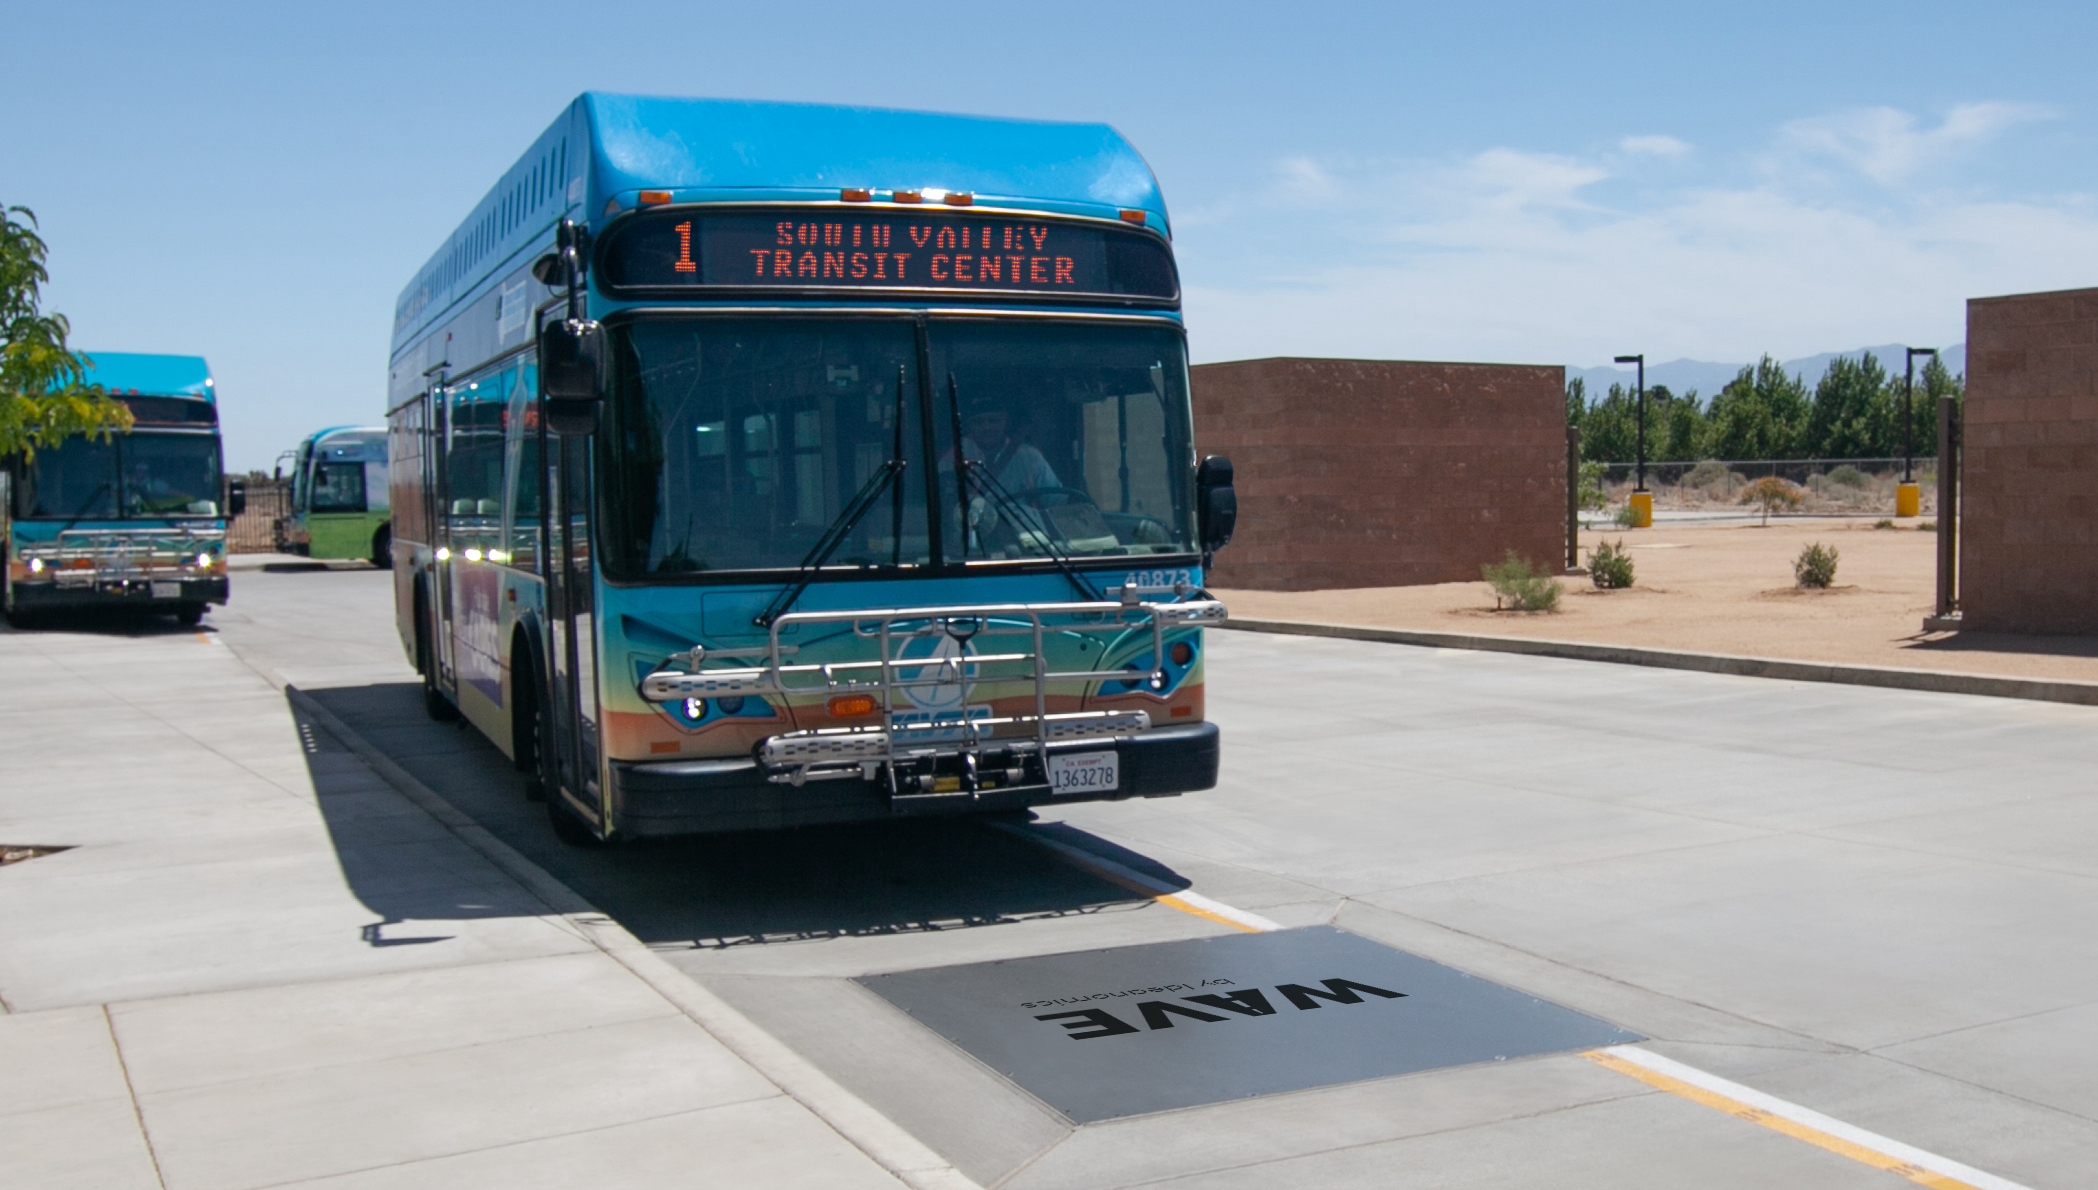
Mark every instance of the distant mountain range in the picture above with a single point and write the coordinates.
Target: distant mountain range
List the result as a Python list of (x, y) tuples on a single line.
[(1708, 378)]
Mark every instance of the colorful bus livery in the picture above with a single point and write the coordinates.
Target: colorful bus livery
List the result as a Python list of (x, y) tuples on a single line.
[(340, 497), (758, 465), (134, 520)]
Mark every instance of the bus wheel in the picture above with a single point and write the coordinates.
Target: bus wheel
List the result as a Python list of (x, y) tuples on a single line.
[(532, 731), (189, 615), (382, 548), (435, 704)]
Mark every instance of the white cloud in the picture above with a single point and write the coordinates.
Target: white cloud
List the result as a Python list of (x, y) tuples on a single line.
[(1887, 145), (1518, 256), (1653, 146)]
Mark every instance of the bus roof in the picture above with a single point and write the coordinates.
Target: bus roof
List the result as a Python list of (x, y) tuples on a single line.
[(606, 148), (131, 373)]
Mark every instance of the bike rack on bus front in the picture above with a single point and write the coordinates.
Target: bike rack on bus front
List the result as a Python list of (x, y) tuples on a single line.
[(820, 754)]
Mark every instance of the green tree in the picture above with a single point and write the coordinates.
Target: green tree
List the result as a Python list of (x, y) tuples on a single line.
[(1609, 432), (1934, 381), (1760, 414), (1682, 427), (1855, 414), (44, 397)]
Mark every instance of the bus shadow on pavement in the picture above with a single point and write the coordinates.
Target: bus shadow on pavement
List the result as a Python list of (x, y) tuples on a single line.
[(711, 891), (105, 621)]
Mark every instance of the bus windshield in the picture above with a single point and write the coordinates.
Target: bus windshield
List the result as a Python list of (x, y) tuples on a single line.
[(738, 444), (170, 475), (140, 474)]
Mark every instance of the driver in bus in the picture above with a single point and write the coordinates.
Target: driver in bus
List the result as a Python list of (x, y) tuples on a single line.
[(1017, 465)]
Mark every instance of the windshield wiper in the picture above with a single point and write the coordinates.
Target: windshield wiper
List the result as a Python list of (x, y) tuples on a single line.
[(1008, 507), (890, 473), (78, 516)]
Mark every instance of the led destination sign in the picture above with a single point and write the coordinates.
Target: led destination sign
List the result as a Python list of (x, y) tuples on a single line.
[(683, 249)]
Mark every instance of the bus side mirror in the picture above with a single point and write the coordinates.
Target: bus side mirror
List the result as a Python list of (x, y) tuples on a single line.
[(571, 370), (1217, 507), (236, 496)]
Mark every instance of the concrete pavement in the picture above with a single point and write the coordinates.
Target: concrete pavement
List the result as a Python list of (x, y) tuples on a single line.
[(259, 964), (1871, 903), (1868, 902)]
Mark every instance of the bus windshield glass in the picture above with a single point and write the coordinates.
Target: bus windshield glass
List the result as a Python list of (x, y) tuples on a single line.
[(740, 444), (170, 475), (138, 475), (75, 480)]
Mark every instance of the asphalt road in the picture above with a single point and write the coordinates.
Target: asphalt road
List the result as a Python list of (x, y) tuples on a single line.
[(1875, 904)]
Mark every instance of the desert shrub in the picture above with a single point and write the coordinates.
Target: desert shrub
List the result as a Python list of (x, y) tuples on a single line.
[(1610, 565), (1816, 566), (1849, 477), (1706, 474), (1926, 526), (1883, 524), (1519, 586), (1772, 493), (1625, 517)]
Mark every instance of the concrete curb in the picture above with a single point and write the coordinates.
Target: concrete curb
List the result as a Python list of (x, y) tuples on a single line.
[(906, 1157), (1936, 681)]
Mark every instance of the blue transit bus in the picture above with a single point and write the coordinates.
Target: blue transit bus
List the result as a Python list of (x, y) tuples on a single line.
[(135, 520), (759, 465)]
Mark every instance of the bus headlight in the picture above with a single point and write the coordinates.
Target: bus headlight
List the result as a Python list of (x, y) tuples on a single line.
[(36, 566)]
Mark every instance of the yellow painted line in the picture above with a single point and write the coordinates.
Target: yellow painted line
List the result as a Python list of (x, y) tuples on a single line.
[(1799, 1123), (1185, 900)]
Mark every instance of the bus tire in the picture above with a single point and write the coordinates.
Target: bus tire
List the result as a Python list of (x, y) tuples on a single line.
[(528, 722), (382, 547), (189, 615), (435, 704)]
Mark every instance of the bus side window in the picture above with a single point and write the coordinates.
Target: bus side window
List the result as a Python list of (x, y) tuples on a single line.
[(522, 493)]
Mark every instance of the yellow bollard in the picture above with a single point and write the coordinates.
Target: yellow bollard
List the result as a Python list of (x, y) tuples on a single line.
[(1908, 499), (1642, 510)]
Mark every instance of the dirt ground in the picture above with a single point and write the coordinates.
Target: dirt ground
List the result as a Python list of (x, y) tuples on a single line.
[(1723, 588)]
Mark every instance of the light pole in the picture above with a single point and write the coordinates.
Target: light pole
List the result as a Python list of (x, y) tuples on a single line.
[(1642, 501), (1908, 496)]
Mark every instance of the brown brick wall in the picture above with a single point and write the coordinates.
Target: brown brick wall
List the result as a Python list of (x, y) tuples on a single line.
[(2029, 520), (1384, 473)]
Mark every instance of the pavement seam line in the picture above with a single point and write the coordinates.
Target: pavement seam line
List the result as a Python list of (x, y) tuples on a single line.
[(1934, 681), (1186, 900), (881, 1139), (138, 1112), (1800, 1123)]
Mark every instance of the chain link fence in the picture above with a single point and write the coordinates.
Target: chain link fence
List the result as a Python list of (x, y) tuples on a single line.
[(1827, 485)]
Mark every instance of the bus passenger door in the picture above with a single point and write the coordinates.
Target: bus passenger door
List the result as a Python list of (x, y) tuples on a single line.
[(437, 482), (571, 615)]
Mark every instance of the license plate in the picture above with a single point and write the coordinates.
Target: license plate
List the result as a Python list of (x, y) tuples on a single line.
[(166, 590), (1084, 772)]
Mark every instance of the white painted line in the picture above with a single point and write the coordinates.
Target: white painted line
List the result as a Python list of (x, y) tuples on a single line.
[(1184, 899), (1924, 1167)]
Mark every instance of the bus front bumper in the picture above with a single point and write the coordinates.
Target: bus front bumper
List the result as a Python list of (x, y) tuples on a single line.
[(145, 594), (685, 797)]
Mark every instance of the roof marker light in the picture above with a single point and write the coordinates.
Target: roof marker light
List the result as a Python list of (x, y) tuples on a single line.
[(1129, 216), (653, 197), (908, 196), (855, 194), (959, 198)]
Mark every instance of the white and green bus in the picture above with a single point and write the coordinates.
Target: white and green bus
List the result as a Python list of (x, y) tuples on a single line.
[(339, 501)]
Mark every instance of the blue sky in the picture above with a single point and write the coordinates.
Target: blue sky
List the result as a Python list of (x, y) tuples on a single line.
[(1515, 182)]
